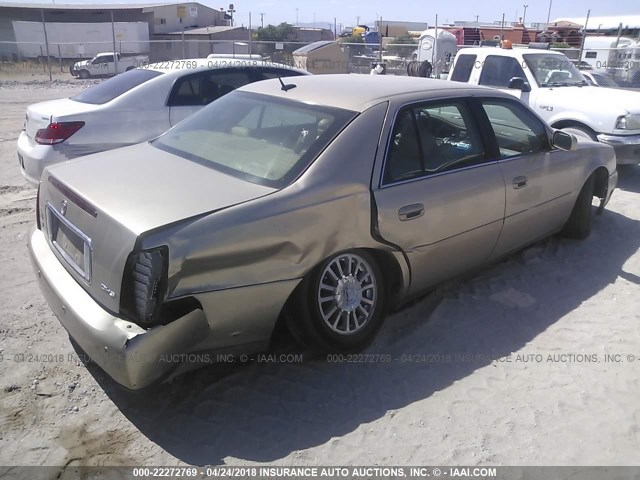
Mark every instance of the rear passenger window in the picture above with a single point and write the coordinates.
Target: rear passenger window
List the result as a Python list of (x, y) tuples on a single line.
[(205, 87), (517, 130), (464, 67), (430, 139), (404, 159)]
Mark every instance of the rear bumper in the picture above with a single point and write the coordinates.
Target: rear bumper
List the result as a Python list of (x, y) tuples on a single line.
[(132, 356), (627, 147), (33, 158)]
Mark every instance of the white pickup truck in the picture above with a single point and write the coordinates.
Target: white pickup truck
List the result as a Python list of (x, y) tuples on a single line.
[(104, 64), (551, 85)]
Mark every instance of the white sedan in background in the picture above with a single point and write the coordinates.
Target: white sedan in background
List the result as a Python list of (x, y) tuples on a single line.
[(133, 107)]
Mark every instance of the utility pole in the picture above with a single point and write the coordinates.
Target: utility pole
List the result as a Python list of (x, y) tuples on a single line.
[(524, 15), (115, 54), (502, 29), (231, 12), (262, 20), (584, 35), (549, 14), (477, 18), (46, 41), (357, 21)]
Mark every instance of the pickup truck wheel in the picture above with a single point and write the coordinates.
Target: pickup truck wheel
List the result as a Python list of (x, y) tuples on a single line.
[(579, 224), (340, 305), (581, 132), (84, 74)]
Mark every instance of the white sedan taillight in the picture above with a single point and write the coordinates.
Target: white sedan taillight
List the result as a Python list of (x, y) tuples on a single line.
[(57, 132)]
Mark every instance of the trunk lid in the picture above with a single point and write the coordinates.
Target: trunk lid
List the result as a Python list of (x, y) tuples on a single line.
[(97, 207), (39, 115)]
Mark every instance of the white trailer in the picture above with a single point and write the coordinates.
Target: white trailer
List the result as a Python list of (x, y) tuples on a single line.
[(620, 57), (80, 40)]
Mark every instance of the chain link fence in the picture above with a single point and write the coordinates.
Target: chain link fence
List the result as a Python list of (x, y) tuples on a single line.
[(605, 66)]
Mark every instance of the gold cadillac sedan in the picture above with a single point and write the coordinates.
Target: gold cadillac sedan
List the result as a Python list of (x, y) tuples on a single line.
[(321, 203)]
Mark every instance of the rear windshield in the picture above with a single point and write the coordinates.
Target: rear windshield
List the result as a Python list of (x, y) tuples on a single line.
[(114, 87), (259, 138)]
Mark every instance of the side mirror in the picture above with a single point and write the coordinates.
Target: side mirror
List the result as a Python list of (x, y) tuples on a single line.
[(519, 83), (564, 141)]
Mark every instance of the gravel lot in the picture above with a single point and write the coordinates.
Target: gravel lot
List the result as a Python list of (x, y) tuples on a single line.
[(509, 365)]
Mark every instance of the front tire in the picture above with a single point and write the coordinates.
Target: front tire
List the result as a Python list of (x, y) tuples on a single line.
[(579, 224), (340, 305), (83, 74)]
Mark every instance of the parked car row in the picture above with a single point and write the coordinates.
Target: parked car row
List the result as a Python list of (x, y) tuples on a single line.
[(130, 108), (550, 84), (318, 202)]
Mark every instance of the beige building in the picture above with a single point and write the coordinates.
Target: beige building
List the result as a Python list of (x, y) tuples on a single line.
[(200, 42)]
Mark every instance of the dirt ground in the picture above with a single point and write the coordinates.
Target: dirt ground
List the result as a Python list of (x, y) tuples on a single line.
[(533, 361)]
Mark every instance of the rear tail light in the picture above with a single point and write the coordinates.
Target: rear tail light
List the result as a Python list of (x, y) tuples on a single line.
[(57, 132), (143, 286)]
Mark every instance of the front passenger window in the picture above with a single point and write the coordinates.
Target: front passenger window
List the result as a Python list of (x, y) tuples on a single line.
[(517, 130)]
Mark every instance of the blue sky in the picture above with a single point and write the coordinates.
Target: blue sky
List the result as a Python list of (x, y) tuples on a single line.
[(347, 11)]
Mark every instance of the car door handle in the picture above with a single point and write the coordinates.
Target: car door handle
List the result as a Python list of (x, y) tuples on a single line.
[(410, 212), (520, 182)]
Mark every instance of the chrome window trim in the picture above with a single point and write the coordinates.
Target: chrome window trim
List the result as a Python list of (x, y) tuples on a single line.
[(434, 175), (88, 248)]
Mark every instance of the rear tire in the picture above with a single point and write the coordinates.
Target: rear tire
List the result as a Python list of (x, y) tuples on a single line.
[(579, 224), (340, 305)]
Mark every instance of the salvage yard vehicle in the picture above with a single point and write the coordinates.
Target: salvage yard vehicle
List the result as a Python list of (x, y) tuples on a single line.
[(107, 64), (600, 78), (553, 87), (320, 203), (133, 107)]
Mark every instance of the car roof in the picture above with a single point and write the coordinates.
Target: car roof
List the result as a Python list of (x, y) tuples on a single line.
[(180, 67), (505, 52), (358, 92)]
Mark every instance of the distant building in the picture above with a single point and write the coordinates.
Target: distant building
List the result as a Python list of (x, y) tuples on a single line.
[(392, 28), (562, 31), (474, 35), (310, 34), (200, 42), (608, 25), (160, 18)]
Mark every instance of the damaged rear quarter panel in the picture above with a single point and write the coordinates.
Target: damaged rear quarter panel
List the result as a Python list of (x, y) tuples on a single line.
[(281, 236)]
